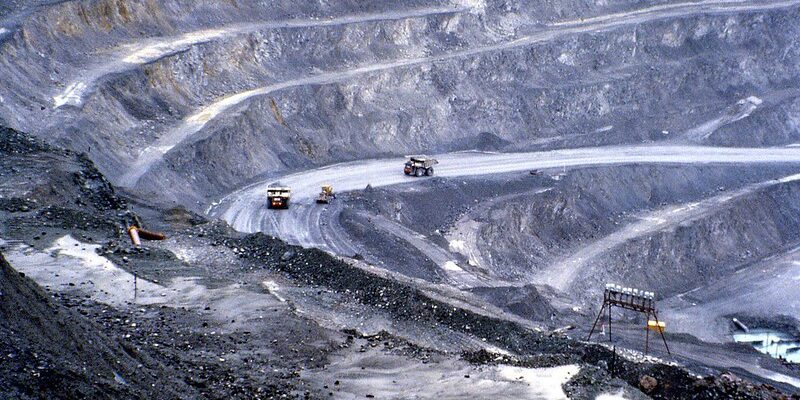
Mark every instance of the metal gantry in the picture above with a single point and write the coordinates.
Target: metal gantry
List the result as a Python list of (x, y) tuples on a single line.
[(634, 300)]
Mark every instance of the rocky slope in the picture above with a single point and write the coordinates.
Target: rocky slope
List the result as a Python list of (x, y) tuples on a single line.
[(52, 351), (135, 83), (213, 357)]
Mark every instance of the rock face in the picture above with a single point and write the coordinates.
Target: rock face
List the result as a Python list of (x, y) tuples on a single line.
[(180, 102), (49, 351), (229, 95), (197, 351)]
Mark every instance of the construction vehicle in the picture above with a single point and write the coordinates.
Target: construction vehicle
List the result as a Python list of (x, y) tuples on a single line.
[(326, 195), (278, 197), (418, 166)]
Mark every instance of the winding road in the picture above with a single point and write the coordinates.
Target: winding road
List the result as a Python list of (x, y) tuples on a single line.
[(563, 273), (131, 55), (245, 209), (195, 122)]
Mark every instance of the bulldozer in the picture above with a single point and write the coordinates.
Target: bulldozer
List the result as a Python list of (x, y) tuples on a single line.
[(326, 195), (278, 197), (419, 166)]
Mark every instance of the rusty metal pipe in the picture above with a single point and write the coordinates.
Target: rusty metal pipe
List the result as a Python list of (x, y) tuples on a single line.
[(147, 235), (133, 232)]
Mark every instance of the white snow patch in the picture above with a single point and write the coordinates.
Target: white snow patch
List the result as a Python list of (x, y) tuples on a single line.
[(611, 396), (3, 31), (474, 6), (655, 220), (566, 59), (790, 178), (544, 383), (273, 289), (605, 128), (452, 266), (783, 378), (181, 254), (452, 23), (70, 261), (71, 95), (157, 50), (671, 39), (752, 100), (458, 246)]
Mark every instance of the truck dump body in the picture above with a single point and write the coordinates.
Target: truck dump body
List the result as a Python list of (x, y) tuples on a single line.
[(419, 166)]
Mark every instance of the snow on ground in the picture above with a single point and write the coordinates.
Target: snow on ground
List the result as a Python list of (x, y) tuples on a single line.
[(542, 383), (71, 95), (752, 100), (452, 266), (619, 395), (387, 376), (159, 49), (605, 128), (72, 265), (274, 289), (783, 378), (741, 110)]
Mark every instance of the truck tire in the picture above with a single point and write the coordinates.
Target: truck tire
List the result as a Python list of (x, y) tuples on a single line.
[(429, 171), (419, 172)]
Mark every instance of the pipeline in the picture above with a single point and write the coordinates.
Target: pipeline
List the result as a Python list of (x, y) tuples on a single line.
[(147, 235), (133, 232), (136, 234)]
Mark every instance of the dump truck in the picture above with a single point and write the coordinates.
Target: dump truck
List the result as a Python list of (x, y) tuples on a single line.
[(326, 195), (278, 197), (418, 166)]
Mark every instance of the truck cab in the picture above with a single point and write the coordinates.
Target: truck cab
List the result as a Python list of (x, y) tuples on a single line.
[(278, 197)]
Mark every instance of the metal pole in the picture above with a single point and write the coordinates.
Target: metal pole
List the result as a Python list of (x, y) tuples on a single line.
[(661, 331), (613, 367), (600, 314), (609, 324), (647, 335)]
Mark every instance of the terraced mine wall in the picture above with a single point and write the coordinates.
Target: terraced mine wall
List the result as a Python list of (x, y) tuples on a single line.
[(352, 88)]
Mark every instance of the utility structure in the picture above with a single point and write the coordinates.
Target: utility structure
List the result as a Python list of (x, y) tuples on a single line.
[(634, 300)]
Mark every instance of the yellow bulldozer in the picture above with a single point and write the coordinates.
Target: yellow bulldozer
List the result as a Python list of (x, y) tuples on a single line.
[(326, 195)]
